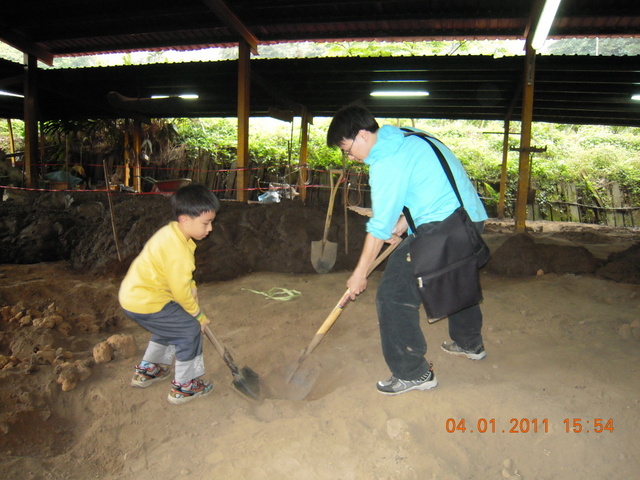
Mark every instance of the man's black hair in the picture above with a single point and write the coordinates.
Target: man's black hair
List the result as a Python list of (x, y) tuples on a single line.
[(348, 121), (194, 200)]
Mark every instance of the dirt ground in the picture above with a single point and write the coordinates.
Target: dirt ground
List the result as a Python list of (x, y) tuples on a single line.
[(562, 338)]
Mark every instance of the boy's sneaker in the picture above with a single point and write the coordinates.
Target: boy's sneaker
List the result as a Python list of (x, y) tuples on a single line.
[(454, 349), (395, 386), (181, 393), (145, 376)]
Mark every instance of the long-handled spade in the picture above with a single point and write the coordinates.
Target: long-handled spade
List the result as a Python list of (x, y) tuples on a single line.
[(324, 252), (245, 380), (335, 313)]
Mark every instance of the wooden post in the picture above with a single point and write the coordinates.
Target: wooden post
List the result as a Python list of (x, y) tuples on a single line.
[(503, 173), (572, 196), (137, 172), (617, 200), (30, 119), (303, 165), (242, 178), (67, 152), (12, 144), (126, 155), (524, 168)]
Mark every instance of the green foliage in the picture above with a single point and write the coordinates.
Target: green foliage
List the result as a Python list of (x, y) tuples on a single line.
[(17, 127), (591, 157), (594, 46)]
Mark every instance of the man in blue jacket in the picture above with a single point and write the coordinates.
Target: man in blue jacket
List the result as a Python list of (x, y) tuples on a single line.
[(405, 171)]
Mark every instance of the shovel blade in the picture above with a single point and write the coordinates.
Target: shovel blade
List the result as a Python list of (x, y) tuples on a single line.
[(323, 256), (247, 382), (300, 380)]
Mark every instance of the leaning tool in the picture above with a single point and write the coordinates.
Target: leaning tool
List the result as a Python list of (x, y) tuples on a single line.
[(335, 313), (245, 380), (324, 252)]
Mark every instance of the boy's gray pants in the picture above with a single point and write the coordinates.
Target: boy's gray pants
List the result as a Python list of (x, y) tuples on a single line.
[(174, 333)]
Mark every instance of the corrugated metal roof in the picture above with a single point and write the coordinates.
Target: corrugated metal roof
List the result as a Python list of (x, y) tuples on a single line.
[(71, 27), (568, 89)]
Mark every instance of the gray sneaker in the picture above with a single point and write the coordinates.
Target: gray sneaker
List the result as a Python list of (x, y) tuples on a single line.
[(454, 349), (396, 386)]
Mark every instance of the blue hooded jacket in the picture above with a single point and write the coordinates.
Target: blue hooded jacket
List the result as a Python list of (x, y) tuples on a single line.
[(405, 171)]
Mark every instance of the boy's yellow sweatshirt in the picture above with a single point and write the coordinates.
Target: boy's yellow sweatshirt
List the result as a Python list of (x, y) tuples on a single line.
[(162, 272)]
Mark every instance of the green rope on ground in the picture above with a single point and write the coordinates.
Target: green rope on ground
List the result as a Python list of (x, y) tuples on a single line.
[(277, 293)]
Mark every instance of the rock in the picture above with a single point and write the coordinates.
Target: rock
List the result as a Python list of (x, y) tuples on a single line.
[(17, 308), (56, 319), (125, 345), (48, 355), (64, 328), (102, 353), (68, 378), (63, 355), (83, 368), (47, 322), (52, 309), (87, 323)]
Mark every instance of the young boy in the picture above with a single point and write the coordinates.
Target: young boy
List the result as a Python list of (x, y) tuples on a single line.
[(159, 293)]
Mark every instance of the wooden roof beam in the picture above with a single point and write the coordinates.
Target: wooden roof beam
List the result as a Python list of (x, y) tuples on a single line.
[(220, 8), (27, 47)]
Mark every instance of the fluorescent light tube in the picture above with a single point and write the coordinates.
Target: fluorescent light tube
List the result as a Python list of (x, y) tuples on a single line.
[(399, 94), (544, 24), (9, 94)]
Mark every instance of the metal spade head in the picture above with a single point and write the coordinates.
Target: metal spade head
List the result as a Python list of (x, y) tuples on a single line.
[(323, 256), (247, 382)]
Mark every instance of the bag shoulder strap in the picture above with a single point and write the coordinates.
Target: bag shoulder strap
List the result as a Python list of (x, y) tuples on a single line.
[(440, 155), (445, 166)]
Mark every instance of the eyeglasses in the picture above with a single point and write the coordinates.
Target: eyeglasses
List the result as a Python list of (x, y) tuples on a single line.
[(348, 152)]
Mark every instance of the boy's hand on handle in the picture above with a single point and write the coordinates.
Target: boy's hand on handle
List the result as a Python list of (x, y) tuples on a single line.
[(204, 324), (204, 321)]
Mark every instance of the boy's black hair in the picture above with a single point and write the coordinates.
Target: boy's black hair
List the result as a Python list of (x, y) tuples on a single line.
[(348, 121), (193, 200)]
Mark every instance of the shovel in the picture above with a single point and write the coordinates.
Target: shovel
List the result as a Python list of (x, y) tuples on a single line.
[(335, 313), (323, 253), (245, 380)]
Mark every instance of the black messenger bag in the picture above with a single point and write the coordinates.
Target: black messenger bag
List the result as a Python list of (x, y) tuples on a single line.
[(446, 257)]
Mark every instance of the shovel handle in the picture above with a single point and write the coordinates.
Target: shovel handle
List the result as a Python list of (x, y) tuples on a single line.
[(224, 353), (332, 198), (216, 343), (344, 301), (337, 310), (382, 256)]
